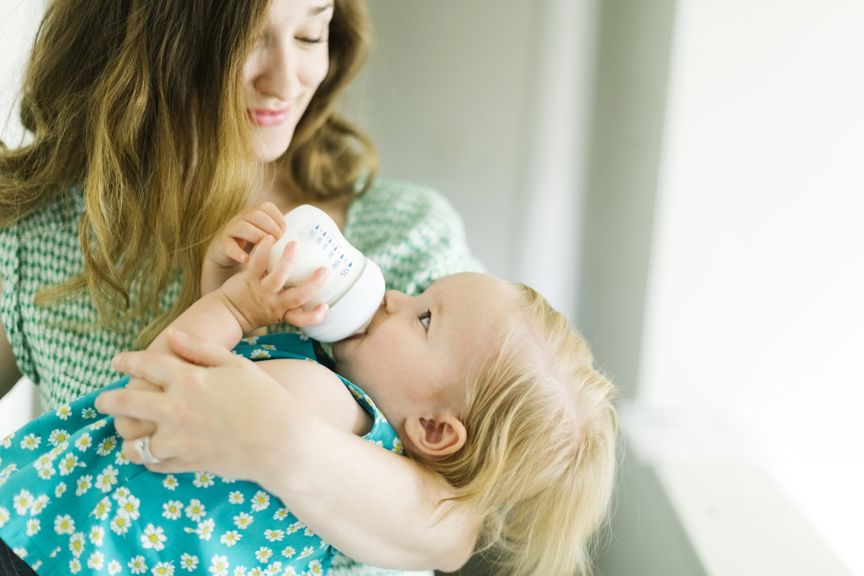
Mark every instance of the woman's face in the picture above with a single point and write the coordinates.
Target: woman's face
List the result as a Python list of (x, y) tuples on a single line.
[(288, 62)]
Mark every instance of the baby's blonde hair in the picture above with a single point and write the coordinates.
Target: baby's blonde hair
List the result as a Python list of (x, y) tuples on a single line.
[(539, 460)]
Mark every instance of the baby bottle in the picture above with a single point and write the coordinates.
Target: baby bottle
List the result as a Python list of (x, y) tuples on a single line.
[(354, 287)]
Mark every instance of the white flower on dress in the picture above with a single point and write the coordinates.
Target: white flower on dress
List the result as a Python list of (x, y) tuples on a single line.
[(230, 538), (188, 562), (114, 567), (120, 524), (137, 565), (129, 507), (295, 527), (260, 501), (74, 566), (263, 554), (83, 485), (288, 551), (46, 473), (256, 572), (58, 436), (97, 535), (106, 480), (280, 514), (170, 482), (259, 353), (60, 489), (4, 516), (153, 537), (240, 571), (270, 347), (63, 412), (290, 571), (203, 480), (7, 440), (64, 524), (195, 510), (243, 520), (31, 442), (84, 442), (219, 565), (251, 340), (308, 532), (121, 494), (76, 544), (38, 505), (89, 413), (204, 530), (307, 551), (163, 569), (96, 560), (120, 459), (315, 568), (273, 535), (274, 568), (98, 424), (22, 502), (102, 509), (68, 464), (33, 526), (106, 446), (235, 497), (172, 510)]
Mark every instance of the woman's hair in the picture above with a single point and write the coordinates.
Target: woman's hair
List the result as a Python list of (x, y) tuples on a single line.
[(139, 104), (540, 456)]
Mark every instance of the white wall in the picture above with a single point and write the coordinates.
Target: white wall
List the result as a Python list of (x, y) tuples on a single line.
[(485, 101), (755, 314)]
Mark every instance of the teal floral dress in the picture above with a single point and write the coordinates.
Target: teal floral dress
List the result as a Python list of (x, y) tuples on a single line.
[(71, 503)]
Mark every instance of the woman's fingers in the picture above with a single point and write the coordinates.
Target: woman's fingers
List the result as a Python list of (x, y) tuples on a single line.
[(202, 352), (132, 428), (142, 405), (154, 367)]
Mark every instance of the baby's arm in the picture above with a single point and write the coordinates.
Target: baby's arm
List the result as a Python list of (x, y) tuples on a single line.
[(251, 298)]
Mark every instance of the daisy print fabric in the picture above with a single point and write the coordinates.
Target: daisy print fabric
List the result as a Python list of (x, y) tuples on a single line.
[(71, 503)]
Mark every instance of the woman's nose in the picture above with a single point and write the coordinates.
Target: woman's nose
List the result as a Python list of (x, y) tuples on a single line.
[(278, 79)]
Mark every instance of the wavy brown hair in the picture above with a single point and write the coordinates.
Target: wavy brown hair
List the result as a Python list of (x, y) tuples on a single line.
[(139, 105)]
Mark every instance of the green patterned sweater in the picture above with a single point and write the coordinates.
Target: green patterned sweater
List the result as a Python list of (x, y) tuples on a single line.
[(412, 232)]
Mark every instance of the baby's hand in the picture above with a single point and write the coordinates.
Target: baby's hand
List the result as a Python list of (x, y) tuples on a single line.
[(260, 298), (229, 249)]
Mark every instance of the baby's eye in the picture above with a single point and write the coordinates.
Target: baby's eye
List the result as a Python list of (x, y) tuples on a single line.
[(425, 319)]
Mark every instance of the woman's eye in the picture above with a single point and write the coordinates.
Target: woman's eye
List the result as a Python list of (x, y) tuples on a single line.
[(425, 319), (311, 40)]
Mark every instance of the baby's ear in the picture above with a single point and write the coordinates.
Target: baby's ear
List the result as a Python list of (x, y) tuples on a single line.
[(436, 437)]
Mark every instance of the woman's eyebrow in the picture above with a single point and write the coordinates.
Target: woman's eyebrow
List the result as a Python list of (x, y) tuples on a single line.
[(316, 10)]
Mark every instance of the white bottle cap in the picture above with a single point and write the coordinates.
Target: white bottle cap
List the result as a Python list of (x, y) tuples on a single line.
[(353, 312)]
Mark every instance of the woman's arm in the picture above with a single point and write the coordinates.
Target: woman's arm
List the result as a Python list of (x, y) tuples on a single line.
[(9, 373), (369, 503)]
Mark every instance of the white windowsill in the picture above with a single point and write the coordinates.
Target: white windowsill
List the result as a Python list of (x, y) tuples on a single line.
[(737, 520)]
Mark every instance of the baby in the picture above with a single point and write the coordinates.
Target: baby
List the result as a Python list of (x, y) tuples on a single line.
[(478, 379)]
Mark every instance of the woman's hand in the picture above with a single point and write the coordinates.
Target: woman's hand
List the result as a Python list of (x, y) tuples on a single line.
[(217, 412), (229, 250)]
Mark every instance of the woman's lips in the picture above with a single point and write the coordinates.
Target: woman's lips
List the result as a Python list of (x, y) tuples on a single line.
[(267, 117)]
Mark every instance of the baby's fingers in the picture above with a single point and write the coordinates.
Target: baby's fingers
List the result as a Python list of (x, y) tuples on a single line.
[(301, 318), (278, 277), (267, 219), (260, 255)]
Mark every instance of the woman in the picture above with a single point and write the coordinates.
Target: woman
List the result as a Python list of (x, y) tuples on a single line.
[(153, 123)]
